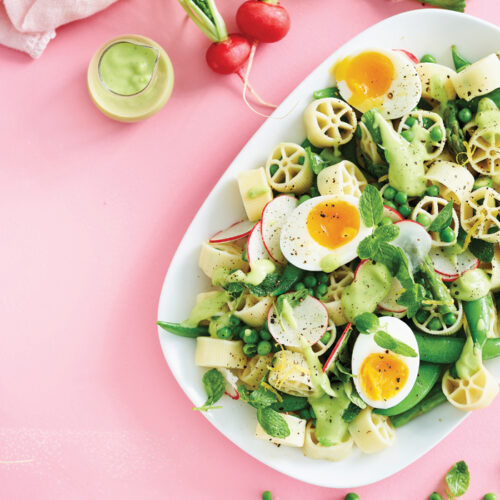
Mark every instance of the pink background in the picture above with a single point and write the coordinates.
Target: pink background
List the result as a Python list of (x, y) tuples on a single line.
[(91, 212)]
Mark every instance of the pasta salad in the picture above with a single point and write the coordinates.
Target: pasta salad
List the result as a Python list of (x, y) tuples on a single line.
[(361, 290)]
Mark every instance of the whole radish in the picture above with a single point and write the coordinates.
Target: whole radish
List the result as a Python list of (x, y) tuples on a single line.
[(263, 20)]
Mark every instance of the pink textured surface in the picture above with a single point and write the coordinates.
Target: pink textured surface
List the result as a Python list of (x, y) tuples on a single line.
[(91, 213)]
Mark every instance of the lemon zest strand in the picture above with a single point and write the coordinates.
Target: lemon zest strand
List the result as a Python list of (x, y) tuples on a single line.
[(473, 231)]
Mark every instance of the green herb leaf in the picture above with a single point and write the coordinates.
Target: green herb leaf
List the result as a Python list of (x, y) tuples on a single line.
[(411, 298), (315, 161), (294, 299), (262, 397), (458, 479), (290, 403), (371, 206), (234, 289), (386, 233), (215, 385), (366, 322), (273, 423), (350, 413), (482, 250), (387, 341), (266, 287), (443, 219), (328, 92)]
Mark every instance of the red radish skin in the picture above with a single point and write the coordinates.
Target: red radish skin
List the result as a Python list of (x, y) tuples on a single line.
[(338, 345), (413, 58), (234, 232), (263, 21), (235, 396), (394, 215), (359, 266), (228, 56), (255, 246)]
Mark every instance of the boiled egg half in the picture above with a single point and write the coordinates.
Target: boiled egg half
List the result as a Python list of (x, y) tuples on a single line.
[(323, 232), (383, 378), (378, 78)]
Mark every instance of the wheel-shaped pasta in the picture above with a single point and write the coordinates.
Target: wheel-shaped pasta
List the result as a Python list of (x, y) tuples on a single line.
[(214, 255), (255, 370), (479, 214), (290, 374), (321, 347), (430, 72), (252, 310), (432, 316), (484, 147), (255, 192), (218, 353), (296, 438), (431, 206), (288, 170), (329, 122), (313, 449), (425, 120), (337, 281), (479, 78), (342, 178), (371, 432), (472, 393), (454, 182)]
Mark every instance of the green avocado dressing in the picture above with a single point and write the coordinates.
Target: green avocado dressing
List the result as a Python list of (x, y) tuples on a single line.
[(256, 191), (218, 322), (488, 116), (472, 285), (371, 284), (437, 90), (329, 263), (127, 68), (406, 160), (470, 361), (260, 269), (210, 306)]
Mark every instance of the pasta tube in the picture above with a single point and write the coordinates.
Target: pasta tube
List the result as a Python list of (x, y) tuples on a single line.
[(296, 438), (255, 192), (218, 353)]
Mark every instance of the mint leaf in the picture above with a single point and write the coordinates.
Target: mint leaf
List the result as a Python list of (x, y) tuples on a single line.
[(386, 341), (386, 233), (443, 219), (315, 161), (262, 397), (266, 287), (411, 298), (215, 385), (273, 423), (458, 479), (350, 413), (482, 250), (365, 322), (290, 403), (371, 206)]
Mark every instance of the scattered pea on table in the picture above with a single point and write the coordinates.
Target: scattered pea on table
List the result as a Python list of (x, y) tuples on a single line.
[(490, 496), (435, 496), (352, 496), (267, 495)]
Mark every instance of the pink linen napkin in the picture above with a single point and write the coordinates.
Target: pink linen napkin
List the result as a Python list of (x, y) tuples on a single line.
[(29, 25)]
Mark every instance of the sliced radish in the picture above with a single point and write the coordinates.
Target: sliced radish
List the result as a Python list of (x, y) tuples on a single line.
[(231, 383), (414, 240), (450, 269), (394, 215), (311, 318), (362, 263), (234, 232), (255, 246), (340, 343), (390, 301), (274, 216), (412, 57)]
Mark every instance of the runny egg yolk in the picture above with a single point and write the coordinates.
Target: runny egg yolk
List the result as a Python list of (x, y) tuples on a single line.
[(334, 223), (368, 75), (382, 375)]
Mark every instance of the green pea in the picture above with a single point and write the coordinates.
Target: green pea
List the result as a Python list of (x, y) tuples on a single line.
[(267, 495), (390, 204), (250, 336), (449, 319), (224, 332), (436, 134), (435, 496), (351, 496), (250, 350), (264, 348), (234, 320), (386, 221), (310, 281), (481, 182), (432, 191), (273, 169), (434, 325), (301, 160), (405, 211), (408, 135), (322, 288), (401, 198), (389, 193), (422, 315), (424, 219), (489, 496), (305, 414), (447, 235), (428, 294), (322, 277), (326, 337), (410, 121), (428, 58), (314, 191), (299, 286), (264, 334), (465, 115), (303, 198)]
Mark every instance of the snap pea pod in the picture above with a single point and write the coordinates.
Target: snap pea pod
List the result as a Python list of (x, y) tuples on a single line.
[(428, 375), (183, 331), (290, 276), (433, 399), (447, 350), (328, 92), (437, 287), (477, 314), (459, 62)]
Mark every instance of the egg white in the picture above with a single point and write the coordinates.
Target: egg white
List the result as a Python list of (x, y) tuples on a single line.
[(403, 94), (365, 345), (302, 250)]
